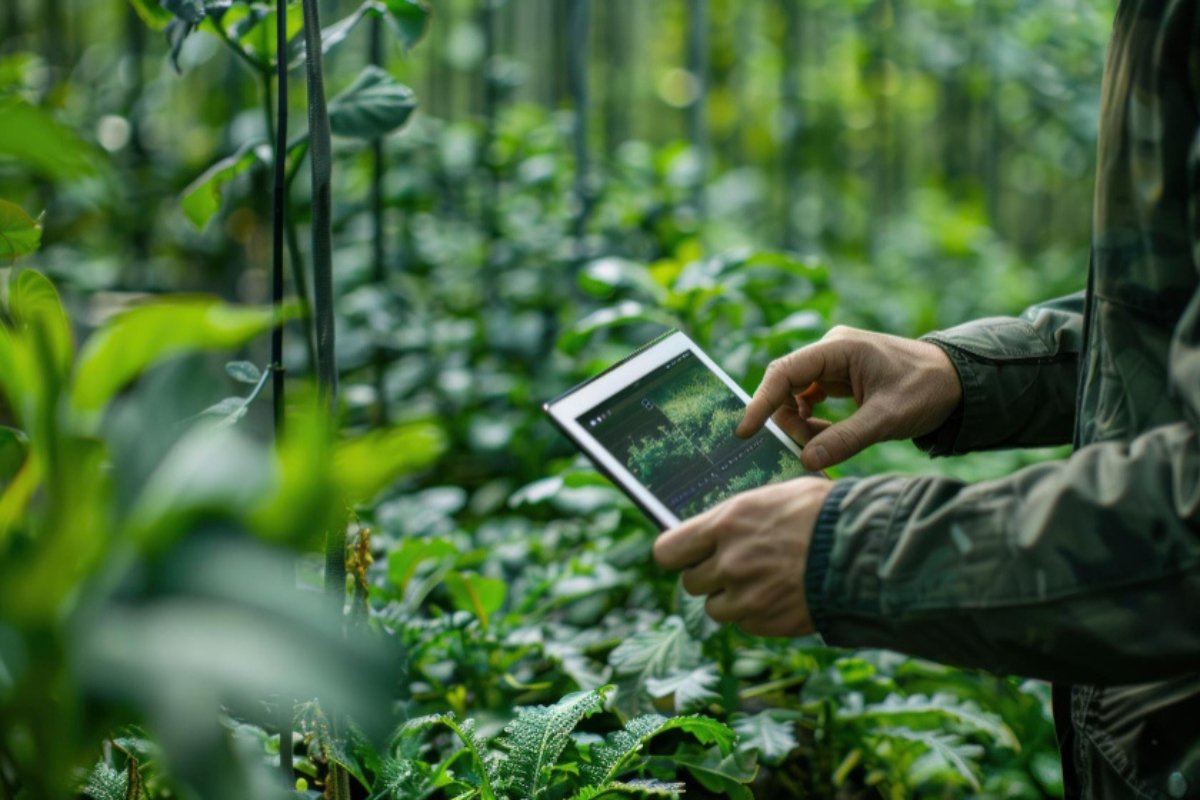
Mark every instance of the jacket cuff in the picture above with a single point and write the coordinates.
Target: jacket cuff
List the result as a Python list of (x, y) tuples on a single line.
[(948, 439), (820, 547)]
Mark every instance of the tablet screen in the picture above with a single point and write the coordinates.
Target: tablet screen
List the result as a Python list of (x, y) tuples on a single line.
[(673, 430)]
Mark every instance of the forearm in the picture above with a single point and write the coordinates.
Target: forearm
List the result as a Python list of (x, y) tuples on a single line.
[(1085, 570)]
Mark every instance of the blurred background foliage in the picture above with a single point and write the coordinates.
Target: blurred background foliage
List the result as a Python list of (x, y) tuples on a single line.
[(575, 177)]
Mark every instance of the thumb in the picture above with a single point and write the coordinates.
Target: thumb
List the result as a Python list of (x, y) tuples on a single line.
[(838, 442)]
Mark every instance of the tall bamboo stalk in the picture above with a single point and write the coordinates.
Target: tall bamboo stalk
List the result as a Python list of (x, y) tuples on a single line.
[(278, 220), (378, 244), (697, 63), (790, 118), (321, 169), (577, 76)]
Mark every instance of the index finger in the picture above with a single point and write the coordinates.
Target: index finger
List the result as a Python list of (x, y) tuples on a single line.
[(687, 544), (785, 376)]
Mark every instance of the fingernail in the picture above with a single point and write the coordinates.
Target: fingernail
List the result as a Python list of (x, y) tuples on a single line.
[(818, 457)]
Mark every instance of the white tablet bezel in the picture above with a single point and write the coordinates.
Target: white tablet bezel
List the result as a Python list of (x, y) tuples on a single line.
[(568, 407)]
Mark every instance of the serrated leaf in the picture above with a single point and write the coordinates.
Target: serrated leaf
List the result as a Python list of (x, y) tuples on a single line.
[(690, 689), (374, 105), (244, 372), (612, 756), (202, 197), (106, 783), (651, 653), (537, 737), (772, 739), (20, 234), (647, 787), (135, 339), (697, 621)]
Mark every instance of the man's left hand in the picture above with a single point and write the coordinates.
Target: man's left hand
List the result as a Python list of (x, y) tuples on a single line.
[(748, 555)]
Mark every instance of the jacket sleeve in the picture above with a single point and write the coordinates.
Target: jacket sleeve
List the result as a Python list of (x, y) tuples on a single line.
[(1085, 570), (1018, 375)]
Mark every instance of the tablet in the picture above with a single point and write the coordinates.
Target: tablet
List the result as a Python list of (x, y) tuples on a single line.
[(660, 424)]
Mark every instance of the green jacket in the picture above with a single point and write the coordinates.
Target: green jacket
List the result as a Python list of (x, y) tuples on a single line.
[(1085, 571)]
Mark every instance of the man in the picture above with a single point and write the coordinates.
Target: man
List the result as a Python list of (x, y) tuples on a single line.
[(1086, 571)]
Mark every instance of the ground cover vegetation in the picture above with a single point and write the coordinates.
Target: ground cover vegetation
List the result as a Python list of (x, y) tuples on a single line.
[(285, 284)]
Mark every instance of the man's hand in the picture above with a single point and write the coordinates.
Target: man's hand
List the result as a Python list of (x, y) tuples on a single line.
[(748, 555), (904, 388)]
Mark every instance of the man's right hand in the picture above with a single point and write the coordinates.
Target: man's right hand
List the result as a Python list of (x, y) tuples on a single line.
[(903, 387)]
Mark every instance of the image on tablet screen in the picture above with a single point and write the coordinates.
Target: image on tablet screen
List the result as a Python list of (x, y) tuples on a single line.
[(673, 429)]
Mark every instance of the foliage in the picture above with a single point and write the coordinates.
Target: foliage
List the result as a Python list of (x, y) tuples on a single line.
[(930, 164)]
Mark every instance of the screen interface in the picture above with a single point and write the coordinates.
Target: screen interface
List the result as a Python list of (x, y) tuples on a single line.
[(673, 430)]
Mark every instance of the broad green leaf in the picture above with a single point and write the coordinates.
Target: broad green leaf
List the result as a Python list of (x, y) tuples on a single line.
[(190, 11), (35, 141), (409, 19), (152, 13), (229, 410), (244, 372), (374, 105), (38, 313), (624, 313), (367, 464), (403, 561), (14, 448), (252, 28), (210, 469), (20, 234), (604, 276), (726, 775), (202, 197), (477, 594), (651, 653), (537, 737), (689, 689), (142, 336), (772, 739)]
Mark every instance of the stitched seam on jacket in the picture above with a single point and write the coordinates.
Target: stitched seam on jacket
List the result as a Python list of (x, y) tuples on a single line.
[(1019, 359)]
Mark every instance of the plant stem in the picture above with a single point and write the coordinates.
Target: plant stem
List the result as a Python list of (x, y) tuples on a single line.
[(697, 57), (278, 221), (321, 164), (378, 254), (299, 279), (247, 59), (577, 31)]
